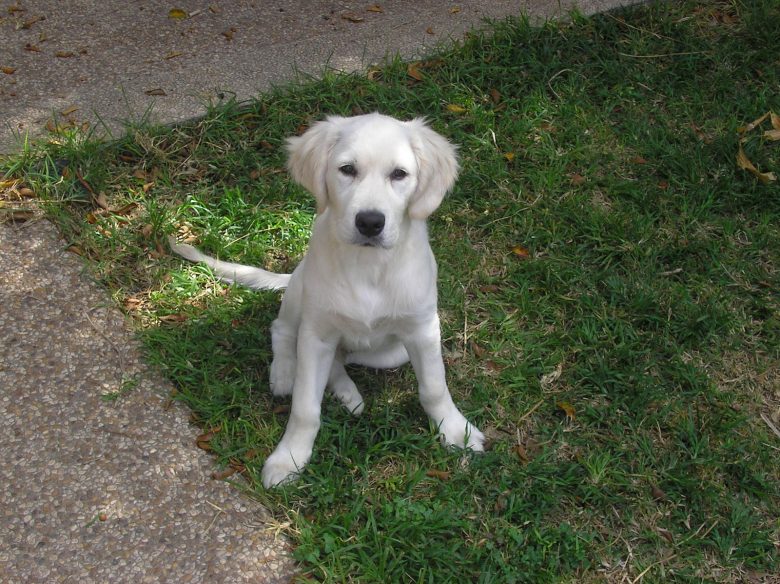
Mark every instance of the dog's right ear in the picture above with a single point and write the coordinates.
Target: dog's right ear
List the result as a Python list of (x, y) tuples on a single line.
[(308, 157)]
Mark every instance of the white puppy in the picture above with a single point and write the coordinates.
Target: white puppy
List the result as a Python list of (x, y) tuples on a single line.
[(365, 292)]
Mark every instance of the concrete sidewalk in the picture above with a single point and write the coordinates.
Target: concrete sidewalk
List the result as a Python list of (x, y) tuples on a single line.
[(98, 489)]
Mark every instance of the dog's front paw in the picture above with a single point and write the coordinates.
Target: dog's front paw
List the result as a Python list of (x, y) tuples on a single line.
[(459, 432), (282, 467), (282, 376)]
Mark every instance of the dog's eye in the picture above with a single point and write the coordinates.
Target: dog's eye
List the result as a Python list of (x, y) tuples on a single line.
[(348, 170), (398, 174)]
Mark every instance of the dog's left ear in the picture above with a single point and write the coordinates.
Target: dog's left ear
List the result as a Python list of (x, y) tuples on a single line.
[(308, 157), (438, 162)]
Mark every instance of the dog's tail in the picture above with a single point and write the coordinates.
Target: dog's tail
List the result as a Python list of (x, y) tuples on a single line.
[(250, 276)]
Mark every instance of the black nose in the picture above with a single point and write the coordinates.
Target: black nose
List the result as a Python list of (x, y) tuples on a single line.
[(370, 223)]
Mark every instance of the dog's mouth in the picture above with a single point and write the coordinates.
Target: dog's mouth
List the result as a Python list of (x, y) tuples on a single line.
[(375, 241)]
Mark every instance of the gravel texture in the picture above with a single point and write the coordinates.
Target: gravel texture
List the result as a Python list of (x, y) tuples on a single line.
[(99, 488)]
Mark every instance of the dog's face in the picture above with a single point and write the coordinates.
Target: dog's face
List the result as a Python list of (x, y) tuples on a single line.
[(372, 173)]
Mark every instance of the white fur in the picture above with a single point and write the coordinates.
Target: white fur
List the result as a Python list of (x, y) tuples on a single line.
[(368, 300)]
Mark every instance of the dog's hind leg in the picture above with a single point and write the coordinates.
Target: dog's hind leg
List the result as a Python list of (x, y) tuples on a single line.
[(344, 388)]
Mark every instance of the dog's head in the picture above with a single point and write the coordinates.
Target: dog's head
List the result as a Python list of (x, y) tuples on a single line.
[(373, 173)]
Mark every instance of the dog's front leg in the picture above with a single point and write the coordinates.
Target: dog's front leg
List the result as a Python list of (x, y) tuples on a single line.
[(315, 357), (424, 348)]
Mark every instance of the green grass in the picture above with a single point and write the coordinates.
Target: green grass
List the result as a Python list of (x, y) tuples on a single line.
[(646, 304)]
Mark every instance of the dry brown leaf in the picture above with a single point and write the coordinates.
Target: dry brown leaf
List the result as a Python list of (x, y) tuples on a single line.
[(510, 156), (174, 318), (125, 209), (30, 21), (173, 55), (32, 48), (147, 230), (64, 54), (549, 379), (489, 288), (221, 475), (454, 9), (177, 14), (775, 119), (155, 91), (521, 453), (375, 8), (26, 192), (374, 73), (229, 33), (521, 252), (657, 493), (8, 70), (567, 409), (442, 475), (17, 215), (413, 72), (753, 124), (75, 249), (102, 201), (478, 351), (637, 160), (495, 96), (429, 30), (772, 135), (69, 110), (456, 109), (577, 179), (352, 17), (744, 163)]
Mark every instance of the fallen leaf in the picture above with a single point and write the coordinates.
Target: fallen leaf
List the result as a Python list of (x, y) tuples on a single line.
[(773, 135), (220, 475), (454, 9), (456, 109), (32, 48), (495, 96), (282, 409), (70, 110), (203, 441), (663, 185), (64, 54), (637, 160), (177, 14), (352, 17), (156, 91), (374, 73), (30, 21), (229, 33), (567, 409), (744, 163), (173, 55), (146, 186), (478, 351), (8, 70), (26, 192), (375, 8), (147, 230), (657, 493), (521, 453), (102, 201), (17, 215), (549, 379), (140, 174), (775, 120), (753, 124), (489, 288), (577, 179), (521, 252), (132, 303), (666, 534), (174, 318), (429, 30), (442, 475), (75, 249), (510, 156), (413, 72)]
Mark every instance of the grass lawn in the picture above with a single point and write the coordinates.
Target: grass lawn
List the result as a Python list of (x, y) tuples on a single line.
[(609, 283)]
